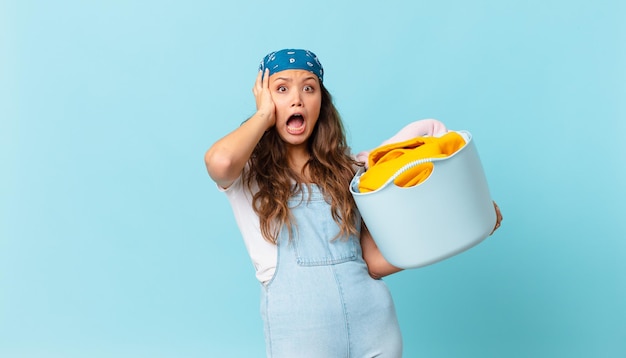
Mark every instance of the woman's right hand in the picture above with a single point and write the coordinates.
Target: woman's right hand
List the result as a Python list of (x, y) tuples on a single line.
[(264, 102)]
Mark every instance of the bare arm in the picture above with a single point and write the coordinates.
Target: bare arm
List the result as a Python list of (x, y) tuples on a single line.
[(228, 156), (377, 265)]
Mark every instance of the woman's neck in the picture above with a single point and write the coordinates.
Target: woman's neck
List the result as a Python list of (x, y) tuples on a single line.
[(298, 157)]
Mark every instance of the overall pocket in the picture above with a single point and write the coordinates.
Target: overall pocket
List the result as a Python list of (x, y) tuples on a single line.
[(314, 236)]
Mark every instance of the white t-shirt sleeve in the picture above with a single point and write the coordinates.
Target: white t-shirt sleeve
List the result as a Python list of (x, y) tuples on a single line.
[(262, 253)]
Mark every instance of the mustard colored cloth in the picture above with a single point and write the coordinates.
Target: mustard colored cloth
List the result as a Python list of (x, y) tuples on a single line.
[(386, 160)]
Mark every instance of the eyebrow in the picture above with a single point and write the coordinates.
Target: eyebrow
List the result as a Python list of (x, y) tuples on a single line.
[(291, 79)]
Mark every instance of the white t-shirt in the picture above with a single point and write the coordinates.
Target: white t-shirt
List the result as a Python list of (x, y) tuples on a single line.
[(263, 254)]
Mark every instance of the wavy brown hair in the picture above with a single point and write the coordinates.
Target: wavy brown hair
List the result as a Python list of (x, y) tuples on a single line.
[(330, 167)]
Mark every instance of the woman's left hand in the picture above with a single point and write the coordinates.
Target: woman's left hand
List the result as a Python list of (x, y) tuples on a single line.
[(498, 217)]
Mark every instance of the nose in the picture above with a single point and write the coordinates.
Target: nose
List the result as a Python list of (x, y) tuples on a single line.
[(296, 100)]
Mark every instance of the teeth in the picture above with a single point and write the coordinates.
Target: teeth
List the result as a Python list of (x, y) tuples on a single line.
[(299, 128)]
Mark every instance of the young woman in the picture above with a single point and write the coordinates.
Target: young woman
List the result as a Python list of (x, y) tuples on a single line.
[(286, 172)]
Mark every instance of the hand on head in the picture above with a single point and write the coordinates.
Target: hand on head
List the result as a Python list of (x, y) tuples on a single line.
[(264, 103)]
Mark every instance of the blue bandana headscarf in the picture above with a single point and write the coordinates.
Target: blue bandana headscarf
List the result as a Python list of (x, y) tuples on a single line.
[(292, 59)]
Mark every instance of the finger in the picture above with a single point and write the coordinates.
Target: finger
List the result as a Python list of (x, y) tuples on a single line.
[(498, 212), (266, 79), (498, 218), (258, 84), (495, 228)]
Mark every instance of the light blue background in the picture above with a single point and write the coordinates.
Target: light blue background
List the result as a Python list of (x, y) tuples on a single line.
[(115, 243)]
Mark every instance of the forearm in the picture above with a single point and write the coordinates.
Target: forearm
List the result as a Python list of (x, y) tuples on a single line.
[(377, 265), (228, 156)]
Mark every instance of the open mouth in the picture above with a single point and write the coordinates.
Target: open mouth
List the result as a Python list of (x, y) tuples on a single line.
[(295, 124)]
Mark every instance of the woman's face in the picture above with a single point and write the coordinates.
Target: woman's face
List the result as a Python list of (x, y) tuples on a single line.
[(297, 95)]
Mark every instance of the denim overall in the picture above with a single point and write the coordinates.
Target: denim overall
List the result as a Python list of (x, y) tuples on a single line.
[(321, 302)]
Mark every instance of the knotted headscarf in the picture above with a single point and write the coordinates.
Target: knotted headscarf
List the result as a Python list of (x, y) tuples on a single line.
[(292, 59)]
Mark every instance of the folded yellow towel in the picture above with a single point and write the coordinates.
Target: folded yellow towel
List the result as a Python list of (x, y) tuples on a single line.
[(385, 161)]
